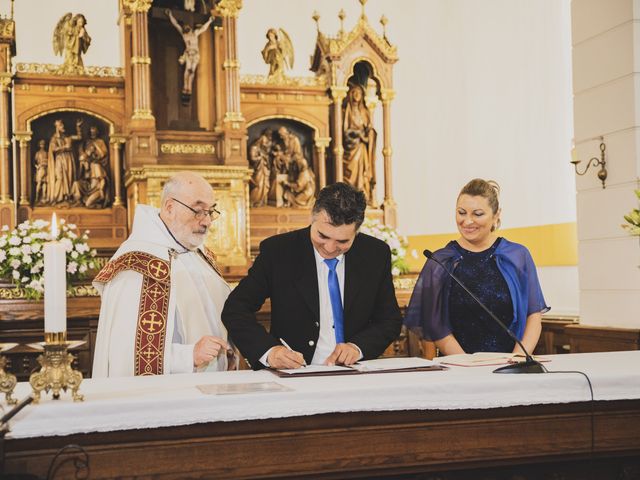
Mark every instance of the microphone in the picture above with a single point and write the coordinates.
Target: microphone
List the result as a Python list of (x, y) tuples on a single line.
[(529, 365)]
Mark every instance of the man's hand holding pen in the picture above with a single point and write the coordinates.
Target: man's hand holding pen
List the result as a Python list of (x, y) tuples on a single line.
[(284, 357)]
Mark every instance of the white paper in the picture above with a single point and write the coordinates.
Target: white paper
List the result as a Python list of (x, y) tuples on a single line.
[(315, 369), (242, 388), (382, 364)]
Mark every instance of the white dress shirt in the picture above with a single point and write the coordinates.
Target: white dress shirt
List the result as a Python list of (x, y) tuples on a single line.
[(327, 337)]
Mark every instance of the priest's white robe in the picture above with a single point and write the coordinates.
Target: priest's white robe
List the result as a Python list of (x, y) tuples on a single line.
[(196, 298)]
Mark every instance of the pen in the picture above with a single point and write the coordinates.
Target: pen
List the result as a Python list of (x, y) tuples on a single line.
[(304, 363)]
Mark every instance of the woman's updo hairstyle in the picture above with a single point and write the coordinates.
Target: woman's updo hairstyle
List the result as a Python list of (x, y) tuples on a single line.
[(486, 189)]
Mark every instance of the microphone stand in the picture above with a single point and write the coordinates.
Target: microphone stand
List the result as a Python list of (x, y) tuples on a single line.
[(4, 425), (529, 365)]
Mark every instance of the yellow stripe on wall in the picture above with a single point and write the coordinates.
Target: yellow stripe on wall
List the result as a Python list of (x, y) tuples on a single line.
[(550, 245)]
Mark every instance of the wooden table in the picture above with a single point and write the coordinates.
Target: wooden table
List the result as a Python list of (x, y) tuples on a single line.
[(568, 440), (357, 445)]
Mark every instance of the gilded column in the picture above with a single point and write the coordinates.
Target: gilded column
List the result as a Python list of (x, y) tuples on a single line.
[(5, 140), (7, 50), (23, 139), (338, 94), (116, 166), (233, 142), (389, 203), (140, 59), (321, 145)]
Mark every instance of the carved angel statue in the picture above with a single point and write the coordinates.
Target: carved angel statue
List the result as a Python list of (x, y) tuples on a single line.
[(278, 52), (70, 39)]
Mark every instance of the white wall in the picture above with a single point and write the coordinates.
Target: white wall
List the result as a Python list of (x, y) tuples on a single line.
[(483, 89), (606, 56), (37, 19)]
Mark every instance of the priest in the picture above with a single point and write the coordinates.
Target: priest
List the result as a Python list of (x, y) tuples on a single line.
[(162, 293)]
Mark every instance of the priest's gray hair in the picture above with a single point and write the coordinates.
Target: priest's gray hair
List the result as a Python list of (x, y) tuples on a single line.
[(171, 187), (180, 183)]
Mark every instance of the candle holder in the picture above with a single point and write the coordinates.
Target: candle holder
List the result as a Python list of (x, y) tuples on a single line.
[(601, 162), (56, 373), (7, 382)]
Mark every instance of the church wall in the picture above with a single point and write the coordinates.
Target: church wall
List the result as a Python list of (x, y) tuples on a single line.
[(483, 89), (606, 59), (37, 19)]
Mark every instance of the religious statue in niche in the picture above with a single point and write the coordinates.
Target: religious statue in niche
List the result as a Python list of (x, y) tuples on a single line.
[(74, 169), (190, 58), (71, 40), (359, 144), (62, 171), (300, 187), (281, 174), (93, 181), (260, 162), (41, 160), (278, 52)]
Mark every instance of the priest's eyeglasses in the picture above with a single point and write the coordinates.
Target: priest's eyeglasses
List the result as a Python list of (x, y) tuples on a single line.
[(200, 215)]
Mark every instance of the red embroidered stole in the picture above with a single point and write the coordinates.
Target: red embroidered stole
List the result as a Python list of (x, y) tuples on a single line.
[(151, 329), (210, 258)]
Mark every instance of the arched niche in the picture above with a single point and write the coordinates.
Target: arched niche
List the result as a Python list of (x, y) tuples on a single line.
[(43, 128), (364, 73), (113, 121)]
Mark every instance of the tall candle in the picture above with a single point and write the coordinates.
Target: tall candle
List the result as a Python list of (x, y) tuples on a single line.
[(55, 283)]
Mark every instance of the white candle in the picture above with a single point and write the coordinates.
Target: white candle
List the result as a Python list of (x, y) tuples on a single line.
[(55, 283)]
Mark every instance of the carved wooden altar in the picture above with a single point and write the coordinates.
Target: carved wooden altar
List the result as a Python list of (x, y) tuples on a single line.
[(129, 124), (314, 109), (120, 131), (359, 59)]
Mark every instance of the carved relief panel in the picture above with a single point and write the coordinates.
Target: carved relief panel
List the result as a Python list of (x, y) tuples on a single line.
[(281, 157), (70, 164)]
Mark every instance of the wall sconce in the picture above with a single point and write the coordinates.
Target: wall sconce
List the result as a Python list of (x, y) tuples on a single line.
[(595, 161)]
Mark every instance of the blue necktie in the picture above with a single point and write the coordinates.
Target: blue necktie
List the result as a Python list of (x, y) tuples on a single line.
[(336, 299)]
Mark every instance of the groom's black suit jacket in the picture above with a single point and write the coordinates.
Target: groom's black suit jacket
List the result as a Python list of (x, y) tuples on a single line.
[(285, 272)]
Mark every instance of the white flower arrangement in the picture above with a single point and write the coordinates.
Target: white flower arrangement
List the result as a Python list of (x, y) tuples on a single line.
[(22, 258), (397, 243)]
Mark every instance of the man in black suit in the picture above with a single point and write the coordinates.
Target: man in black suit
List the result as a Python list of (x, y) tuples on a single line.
[(309, 275)]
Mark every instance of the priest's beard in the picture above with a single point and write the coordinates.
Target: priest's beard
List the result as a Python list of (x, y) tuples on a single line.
[(196, 238)]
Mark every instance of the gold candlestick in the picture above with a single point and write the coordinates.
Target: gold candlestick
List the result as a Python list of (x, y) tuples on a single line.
[(56, 373), (7, 382)]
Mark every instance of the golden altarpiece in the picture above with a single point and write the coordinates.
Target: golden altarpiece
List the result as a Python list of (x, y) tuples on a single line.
[(90, 143)]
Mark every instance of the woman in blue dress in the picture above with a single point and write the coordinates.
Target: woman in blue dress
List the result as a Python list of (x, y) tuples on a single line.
[(499, 272)]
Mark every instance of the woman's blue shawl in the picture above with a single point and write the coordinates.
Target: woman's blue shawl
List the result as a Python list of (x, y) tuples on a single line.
[(428, 310)]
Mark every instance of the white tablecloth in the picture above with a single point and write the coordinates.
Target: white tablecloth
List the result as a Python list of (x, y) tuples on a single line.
[(170, 400)]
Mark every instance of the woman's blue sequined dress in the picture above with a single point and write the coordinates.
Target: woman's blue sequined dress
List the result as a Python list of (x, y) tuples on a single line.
[(472, 327)]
